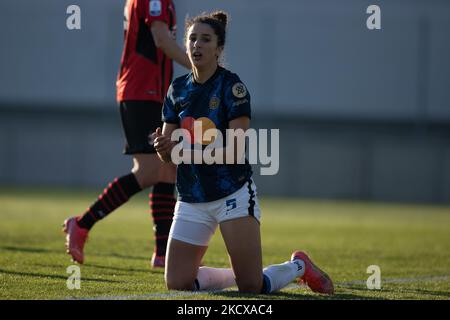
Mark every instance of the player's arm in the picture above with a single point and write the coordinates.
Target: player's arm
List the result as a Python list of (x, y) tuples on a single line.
[(238, 123), (164, 40), (162, 142), (238, 151)]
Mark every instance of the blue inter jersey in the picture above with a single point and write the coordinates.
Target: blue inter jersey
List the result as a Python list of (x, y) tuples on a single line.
[(220, 99)]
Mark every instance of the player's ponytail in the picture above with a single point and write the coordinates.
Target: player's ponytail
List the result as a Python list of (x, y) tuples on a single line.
[(221, 16)]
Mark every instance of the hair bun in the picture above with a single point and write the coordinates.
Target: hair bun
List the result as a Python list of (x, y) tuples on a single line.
[(222, 16)]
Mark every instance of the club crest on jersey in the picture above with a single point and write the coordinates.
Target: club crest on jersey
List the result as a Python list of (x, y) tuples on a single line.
[(214, 103), (155, 8), (239, 90)]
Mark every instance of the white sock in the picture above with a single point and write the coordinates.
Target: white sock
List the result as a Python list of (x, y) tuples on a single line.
[(215, 278), (280, 275)]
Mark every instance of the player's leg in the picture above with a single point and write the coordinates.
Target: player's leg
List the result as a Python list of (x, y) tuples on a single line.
[(243, 242), (140, 119), (240, 216), (150, 171), (182, 263), (239, 224), (118, 192), (242, 239), (191, 230), (146, 169), (146, 165), (144, 173), (316, 279), (162, 203), (190, 233), (183, 271)]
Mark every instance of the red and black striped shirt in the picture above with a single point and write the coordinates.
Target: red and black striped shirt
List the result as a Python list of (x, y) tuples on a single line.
[(145, 71)]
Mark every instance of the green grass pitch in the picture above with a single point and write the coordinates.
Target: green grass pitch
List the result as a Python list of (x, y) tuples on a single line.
[(410, 244)]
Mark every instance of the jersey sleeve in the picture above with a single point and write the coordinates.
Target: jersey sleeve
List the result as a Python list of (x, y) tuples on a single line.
[(169, 114), (237, 99), (156, 10)]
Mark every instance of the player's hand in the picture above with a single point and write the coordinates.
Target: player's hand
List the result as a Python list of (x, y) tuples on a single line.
[(163, 145), (153, 135), (151, 138)]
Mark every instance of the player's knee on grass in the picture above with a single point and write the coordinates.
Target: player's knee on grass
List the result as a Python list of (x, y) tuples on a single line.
[(249, 286), (180, 284), (179, 280)]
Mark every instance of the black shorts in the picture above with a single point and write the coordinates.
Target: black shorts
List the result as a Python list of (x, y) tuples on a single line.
[(139, 120)]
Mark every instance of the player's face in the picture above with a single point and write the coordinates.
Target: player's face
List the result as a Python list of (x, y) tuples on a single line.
[(201, 44)]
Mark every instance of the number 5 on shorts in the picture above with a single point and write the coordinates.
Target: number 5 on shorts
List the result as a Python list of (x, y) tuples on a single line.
[(231, 204)]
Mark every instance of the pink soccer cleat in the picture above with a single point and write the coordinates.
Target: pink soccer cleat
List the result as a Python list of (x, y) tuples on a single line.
[(158, 261), (316, 279), (75, 239)]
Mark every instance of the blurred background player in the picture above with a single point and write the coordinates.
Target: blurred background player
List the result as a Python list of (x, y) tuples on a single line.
[(145, 74)]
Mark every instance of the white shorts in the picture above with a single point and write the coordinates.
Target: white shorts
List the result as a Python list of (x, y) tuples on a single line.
[(195, 223)]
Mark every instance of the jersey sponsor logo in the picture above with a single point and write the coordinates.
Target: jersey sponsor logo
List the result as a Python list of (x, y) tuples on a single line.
[(214, 103), (239, 90), (239, 102), (198, 135), (155, 8)]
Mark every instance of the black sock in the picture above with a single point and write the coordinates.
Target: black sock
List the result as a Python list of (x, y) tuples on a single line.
[(117, 193), (162, 204)]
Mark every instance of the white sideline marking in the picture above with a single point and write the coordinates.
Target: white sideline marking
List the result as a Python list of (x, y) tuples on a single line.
[(292, 286)]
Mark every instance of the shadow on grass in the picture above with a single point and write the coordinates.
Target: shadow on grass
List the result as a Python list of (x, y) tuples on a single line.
[(86, 265), (292, 296), (29, 250), (123, 271), (45, 250), (127, 270), (402, 290), (419, 292), (53, 276), (445, 294), (127, 257)]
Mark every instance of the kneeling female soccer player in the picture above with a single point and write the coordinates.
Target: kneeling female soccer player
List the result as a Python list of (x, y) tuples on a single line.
[(224, 195)]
